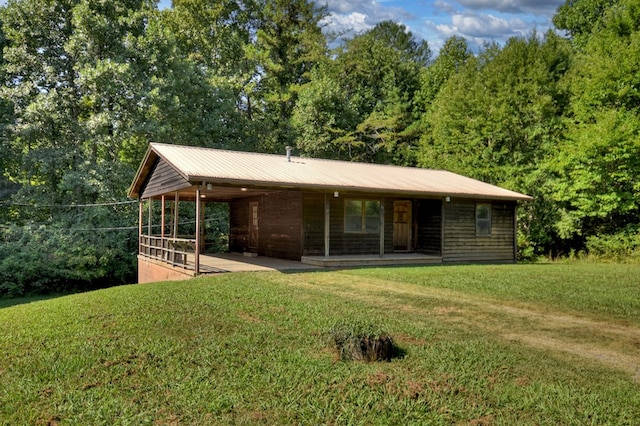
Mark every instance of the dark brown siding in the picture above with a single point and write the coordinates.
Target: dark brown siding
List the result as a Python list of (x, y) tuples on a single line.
[(313, 228), (279, 226), (460, 241), (239, 224), (428, 222), (163, 179), (341, 243), (426, 230)]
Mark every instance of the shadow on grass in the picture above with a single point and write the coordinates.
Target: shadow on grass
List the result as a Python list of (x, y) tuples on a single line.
[(7, 302)]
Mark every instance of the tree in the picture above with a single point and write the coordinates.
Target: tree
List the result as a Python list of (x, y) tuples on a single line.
[(6, 120), (74, 79), (451, 59), (358, 106), (579, 18), (499, 118), (289, 42), (214, 33), (205, 96), (597, 170)]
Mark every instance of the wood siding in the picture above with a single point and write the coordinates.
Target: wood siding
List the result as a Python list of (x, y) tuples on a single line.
[(426, 229), (460, 241), (291, 225), (344, 243), (313, 220), (163, 179), (279, 225)]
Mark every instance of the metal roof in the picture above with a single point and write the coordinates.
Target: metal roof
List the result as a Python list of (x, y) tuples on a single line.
[(224, 167)]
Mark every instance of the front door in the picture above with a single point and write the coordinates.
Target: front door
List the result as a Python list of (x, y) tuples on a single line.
[(253, 225), (402, 225)]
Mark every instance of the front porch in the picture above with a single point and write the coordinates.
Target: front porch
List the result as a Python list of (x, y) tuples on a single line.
[(159, 269)]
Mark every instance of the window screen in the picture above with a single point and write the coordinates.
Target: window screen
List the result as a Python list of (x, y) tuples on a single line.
[(483, 219), (362, 216)]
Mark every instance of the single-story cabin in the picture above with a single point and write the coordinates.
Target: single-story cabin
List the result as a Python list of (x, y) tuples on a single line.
[(319, 212)]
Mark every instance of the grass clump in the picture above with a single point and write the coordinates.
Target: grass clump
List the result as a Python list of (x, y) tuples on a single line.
[(361, 341)]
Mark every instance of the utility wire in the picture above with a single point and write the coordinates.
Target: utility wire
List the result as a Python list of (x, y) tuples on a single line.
[(127, 228), (114, 203)]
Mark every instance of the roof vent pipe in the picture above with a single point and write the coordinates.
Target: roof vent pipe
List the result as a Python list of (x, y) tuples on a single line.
[(288, 148)]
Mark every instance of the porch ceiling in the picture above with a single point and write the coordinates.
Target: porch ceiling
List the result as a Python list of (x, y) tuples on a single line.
[(215, 193)]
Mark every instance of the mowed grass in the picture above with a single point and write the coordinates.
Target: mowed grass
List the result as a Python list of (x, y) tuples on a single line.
[(483, 345)]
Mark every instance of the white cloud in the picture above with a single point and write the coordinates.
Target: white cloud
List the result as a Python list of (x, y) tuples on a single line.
[(534, 7), (350, 17), (486, 25), (479, 28), (353, 22)]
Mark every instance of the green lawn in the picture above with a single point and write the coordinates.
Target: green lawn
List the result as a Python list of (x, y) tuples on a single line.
[(483, 345)]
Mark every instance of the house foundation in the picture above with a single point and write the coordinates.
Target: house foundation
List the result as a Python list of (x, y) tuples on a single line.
[(150, 270)]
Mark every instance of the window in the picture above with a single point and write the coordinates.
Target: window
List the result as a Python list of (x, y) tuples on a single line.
[(362, 216), (483, 219)]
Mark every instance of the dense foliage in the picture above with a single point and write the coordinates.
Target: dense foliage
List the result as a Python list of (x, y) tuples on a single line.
[(86, 84)]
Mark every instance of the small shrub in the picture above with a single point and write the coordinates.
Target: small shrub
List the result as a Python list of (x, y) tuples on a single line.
[(361, 341), (622, 246)]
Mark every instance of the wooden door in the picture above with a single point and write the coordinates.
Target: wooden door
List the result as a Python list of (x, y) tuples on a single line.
[(402, 225), (253, 225)]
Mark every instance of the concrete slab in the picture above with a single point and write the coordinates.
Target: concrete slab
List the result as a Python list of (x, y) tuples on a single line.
[(236, 262)]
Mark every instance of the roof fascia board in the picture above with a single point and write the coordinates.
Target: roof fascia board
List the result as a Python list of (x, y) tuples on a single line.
[(238, 183)]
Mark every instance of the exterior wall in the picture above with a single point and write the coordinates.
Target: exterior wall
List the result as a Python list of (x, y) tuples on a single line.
[(460, 241), (279, 225), (239, 224), (426, 231), (150, 271), (291, 225), (341, 243), (313, 224), (163, 178)]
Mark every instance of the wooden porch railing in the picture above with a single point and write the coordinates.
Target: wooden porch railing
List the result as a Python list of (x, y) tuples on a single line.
[(168, 249)]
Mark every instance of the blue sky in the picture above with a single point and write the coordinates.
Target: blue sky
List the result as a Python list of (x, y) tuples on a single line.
[(478, 21)]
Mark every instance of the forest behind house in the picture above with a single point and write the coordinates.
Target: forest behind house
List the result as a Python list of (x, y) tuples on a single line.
[(87, 84)]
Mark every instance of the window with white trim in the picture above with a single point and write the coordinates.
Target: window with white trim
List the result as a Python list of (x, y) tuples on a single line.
[(362, 216), (483, 219)]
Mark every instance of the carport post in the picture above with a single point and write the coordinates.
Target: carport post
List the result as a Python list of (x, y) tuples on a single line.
[(382, 227), (327, 223), (198, 238)]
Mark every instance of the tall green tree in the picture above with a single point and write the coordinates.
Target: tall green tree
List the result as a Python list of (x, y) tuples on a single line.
[(579, 18), (502, 113), (499, 118), (211, 83), (359, 104), (597, 171), (452, 58), (214, 33), (288, 43), (73, 77)]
